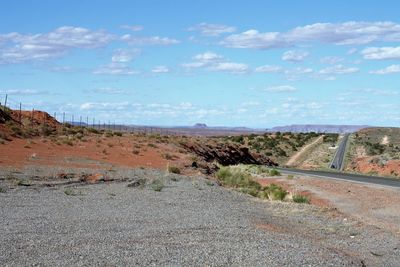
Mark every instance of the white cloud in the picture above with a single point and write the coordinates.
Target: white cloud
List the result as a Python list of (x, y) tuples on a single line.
[(208, 57), (152, 40), (295, 56), (160, 69), (331, 60), (254, 39), (215, 62), (381, 53), (269, 69), (109, 91), (379, 92), (338, 69), (388, 70), (280, 89), (22, 92), (347, 33), (230, 67), (22, 48), (124, 55), (207, 29), (115, 69), (134, 28), (107, 106), (298, 71)]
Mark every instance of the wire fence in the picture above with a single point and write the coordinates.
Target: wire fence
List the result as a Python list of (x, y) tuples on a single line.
[(66, 118)]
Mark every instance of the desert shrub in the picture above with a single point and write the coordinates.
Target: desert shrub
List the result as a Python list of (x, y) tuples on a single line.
[(290, 177), (167, 156), (109, 134), (274, 172), (174, 169), (157, 185), (301, 199), (3, 190), (136, 152), (238, 139), (72, 192), (46, 130), (152, 145), (236, 178), (118, 134), (330, 138), (275, 192), (16, 130), (93, 130)]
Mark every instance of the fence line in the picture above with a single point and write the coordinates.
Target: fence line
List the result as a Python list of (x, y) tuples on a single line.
[(63, 118)]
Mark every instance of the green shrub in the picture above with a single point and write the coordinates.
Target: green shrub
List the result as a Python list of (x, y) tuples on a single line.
[(236, 178), (174, 169), (274, 172), (157, 185), (118, 134), (93, 130), (301, 199), (275, 192)]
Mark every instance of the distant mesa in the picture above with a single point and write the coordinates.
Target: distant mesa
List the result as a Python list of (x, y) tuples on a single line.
[(318, 128), (200, 125)]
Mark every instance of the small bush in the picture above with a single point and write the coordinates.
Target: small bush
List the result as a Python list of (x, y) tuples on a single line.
[(290, 177), (109, 134), (118, 134), (157, 185), (93, 130), (3, 190), (274, 172), (168, 156), (174, 169), (46, 130), (275, 192), (135, 152), (72, 192), (301, 199)]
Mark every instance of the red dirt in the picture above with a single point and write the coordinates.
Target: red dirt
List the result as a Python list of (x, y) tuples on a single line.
[(112, 150), (367, 165)]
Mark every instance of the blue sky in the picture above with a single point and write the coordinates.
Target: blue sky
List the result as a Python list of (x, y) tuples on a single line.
[(232, 63)]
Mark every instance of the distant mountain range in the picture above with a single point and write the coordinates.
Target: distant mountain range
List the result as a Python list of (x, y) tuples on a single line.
[(318, 128)]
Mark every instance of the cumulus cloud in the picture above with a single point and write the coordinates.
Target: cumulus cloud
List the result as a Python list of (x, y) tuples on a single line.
[(124, 55), (269, 69), (20, 48), (388, 70), (338, 69), (152, 40), (207, 29), (295, 55), (160, 69), (331, 60), (134, 28), (109, 91), (230, 67), (215, 62), (347, 33), (280, 89), (381, 53), (115, 69), (22, 92)]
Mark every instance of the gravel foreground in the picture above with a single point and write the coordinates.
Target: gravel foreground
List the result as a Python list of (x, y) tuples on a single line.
[(191, 222)]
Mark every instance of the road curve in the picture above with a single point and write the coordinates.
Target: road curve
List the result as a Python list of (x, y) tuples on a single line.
[(337, 162), (385, 181)]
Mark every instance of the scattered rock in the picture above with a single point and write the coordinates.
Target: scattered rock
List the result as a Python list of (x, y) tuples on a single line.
[(137, 183)]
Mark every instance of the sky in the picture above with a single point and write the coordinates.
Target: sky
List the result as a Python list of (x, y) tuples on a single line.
[(224, 63)]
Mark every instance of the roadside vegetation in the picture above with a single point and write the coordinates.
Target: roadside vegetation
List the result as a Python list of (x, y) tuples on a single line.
[(241, 179)]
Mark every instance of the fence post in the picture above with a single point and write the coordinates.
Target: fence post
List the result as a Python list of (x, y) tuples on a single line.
[(20, 113), (33, 111)]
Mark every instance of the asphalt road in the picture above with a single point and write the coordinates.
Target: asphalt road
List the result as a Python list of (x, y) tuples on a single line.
[(346, 176), (337, 162)]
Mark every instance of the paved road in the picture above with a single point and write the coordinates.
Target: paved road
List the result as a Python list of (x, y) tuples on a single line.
[(346, 176), (337, 162)]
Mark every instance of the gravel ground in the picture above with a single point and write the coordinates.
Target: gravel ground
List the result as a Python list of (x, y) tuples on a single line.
[(189, 223)]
